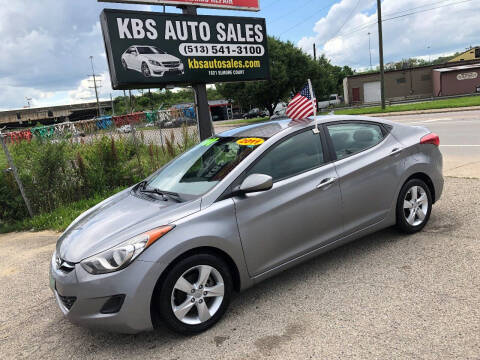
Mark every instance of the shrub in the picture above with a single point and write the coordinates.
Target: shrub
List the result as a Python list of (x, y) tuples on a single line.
[(58, 173)]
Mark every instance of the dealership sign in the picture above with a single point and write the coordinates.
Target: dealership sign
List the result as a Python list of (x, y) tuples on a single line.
[(147, 50), (248, 5), (467, 76)]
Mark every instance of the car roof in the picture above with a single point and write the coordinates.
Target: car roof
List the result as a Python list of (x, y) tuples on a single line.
[(270, 128)]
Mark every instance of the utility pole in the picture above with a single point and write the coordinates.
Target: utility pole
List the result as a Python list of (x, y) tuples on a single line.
[(113, 107), (130, 96), (314, 52), (380, 50), (204, 118), (126, 101), (95, 85), (370, 49)]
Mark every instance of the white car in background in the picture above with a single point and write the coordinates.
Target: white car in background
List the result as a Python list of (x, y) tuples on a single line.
[(151, 61)]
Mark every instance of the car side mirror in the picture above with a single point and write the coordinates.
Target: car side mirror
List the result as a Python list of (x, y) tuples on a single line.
[(255, 183)]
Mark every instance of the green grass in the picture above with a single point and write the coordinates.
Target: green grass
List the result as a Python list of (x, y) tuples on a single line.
[(436, 104), (3, 160), (246, 121), (57, 220)]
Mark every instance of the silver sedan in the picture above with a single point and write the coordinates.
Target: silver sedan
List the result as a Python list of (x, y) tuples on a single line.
[(236, 209)]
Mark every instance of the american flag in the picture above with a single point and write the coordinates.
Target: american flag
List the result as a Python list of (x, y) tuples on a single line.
[(303, 104)]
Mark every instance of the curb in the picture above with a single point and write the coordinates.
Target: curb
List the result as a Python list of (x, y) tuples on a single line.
[(419, 112)]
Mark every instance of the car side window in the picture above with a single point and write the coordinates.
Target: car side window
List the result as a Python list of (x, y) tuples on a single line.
[(352, 138), (293, 156)]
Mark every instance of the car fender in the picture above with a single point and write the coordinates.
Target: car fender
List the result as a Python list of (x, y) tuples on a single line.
[(418, 164), (214, 227)]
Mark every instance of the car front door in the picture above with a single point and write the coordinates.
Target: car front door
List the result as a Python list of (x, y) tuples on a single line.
[(134, 56), (301, 212), (369, 164)]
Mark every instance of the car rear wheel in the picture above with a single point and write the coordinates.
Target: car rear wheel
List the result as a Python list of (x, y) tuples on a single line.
[(414, 206), (195, 294), (146, 70)]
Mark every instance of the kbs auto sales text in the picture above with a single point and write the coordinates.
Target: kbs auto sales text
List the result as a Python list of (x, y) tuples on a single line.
[(189, 30)]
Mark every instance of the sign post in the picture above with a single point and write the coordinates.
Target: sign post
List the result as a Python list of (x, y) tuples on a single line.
[(202, 109)]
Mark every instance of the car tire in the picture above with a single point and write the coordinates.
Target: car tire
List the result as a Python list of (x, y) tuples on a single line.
[(414, 206), (181, 305), (124, 64), (146, 70)]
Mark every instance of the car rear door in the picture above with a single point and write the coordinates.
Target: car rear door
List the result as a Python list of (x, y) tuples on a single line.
[(369, 164), (301, 212)]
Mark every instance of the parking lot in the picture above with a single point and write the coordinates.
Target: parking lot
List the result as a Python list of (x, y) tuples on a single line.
[(387, 295)]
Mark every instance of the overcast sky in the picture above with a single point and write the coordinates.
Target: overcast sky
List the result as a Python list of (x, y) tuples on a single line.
[(45, 46)]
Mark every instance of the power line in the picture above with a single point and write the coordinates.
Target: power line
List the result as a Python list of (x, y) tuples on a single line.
[(348, 18), (422, 11), (362, 27), (303, 20), (291, 12)]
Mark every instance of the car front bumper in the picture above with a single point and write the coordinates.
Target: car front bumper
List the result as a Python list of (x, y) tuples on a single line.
[(163, 70), (82, 296)]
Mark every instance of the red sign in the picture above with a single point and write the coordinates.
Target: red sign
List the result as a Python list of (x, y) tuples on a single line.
[(248, 5)]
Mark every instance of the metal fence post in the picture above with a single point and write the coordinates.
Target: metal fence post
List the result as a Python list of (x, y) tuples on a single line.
[(137, 148), (15, 174)]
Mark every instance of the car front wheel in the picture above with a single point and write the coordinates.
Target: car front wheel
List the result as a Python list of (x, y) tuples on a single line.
[(414, 206), (195, 294), (146, 70)]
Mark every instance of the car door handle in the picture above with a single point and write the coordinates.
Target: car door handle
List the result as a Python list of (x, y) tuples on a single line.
[(326, 182), (396, 151)]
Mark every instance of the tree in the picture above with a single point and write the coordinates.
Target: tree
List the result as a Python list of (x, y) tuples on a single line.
[(290, 68)]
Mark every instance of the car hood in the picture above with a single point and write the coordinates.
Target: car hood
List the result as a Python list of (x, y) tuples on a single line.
[(160, 57), (115, 220)]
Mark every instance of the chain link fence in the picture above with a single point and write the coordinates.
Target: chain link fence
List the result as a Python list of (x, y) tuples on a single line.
[(45, 167)]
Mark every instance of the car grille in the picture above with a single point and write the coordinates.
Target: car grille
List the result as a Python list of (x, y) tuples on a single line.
[(66, 266), (171, 63), (67, 301), (63, 265)]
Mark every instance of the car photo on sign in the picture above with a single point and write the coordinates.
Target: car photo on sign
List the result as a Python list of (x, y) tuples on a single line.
[(151, 61)]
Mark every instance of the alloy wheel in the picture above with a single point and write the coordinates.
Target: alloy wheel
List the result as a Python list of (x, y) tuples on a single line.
[(146, 70), (415, 205), (197, 294)]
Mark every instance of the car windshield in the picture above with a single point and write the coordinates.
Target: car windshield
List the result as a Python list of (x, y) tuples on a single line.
[(205, 165), (149, 50)]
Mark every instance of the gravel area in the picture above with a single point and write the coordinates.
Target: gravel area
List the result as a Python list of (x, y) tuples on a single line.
[(384, 296)]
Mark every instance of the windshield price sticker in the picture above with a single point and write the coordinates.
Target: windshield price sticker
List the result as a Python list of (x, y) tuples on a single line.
[(209, 142), (147, 49), (250, 141)]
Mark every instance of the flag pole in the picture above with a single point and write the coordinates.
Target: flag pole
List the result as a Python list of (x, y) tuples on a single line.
[(315, 129)]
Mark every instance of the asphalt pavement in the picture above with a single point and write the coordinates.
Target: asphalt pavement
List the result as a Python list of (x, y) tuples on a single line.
[(386, 296), (459, 139)]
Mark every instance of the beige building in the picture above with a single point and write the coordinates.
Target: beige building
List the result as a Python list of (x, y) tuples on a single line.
[(472, 54)]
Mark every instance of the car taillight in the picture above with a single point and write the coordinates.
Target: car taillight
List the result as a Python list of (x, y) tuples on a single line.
[(431, 138)]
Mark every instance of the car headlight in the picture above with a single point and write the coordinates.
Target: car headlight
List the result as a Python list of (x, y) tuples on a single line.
[(153, 62), (122, 255)]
